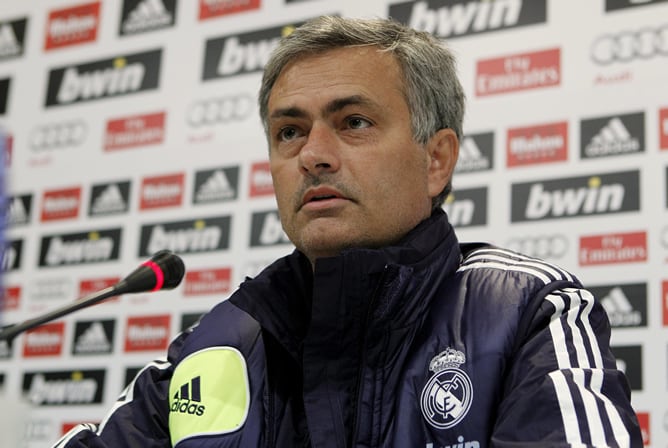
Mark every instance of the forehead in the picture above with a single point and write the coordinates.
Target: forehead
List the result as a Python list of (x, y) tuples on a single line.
[(363, 70)]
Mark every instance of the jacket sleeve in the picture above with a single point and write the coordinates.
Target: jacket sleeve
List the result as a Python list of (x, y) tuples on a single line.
[(562, 385), (139, 418)]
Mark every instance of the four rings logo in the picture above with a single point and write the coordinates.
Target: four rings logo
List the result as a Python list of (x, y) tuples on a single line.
[(540, 246), (626, 46), (58, 135), (220, 110)]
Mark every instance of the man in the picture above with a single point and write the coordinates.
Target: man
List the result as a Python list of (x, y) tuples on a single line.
[(380, 330)]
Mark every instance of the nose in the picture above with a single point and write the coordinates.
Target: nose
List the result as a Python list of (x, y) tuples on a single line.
[(320, 153)]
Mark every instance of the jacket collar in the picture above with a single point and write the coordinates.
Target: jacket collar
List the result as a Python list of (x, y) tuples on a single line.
[(289, 299)]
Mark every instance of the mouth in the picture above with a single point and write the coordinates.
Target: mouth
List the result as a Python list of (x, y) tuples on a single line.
[(320, 196)]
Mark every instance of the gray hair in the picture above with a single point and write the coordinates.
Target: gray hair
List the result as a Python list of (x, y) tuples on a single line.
[(434, 95)]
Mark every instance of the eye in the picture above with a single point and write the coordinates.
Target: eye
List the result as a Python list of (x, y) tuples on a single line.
[(288, 133), (358, 123)]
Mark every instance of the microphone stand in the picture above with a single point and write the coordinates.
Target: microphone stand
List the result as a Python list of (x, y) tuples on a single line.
[(10, 332)]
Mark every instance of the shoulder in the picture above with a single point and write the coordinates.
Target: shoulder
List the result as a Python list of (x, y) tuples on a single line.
[(479, 259), (224, 325)]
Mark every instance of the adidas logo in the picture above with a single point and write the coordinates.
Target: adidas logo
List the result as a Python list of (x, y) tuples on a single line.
[(188, 398), (148, 14), (93, 340), (612, 139), (619, 309), (217, 187), (109, 201), (470, 157), (9, 45), (17, 212)]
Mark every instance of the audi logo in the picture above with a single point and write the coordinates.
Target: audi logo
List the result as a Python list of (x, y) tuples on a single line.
[(58, 135), (628, 45), (221, 110), (541, 246)]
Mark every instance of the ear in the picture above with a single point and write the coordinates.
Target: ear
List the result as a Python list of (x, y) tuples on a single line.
[(443, 150)]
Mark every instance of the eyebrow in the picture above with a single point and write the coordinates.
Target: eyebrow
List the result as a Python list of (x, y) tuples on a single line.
[(331, 107)]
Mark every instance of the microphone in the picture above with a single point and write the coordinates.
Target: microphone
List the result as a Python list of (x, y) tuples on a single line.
[(164, 270)]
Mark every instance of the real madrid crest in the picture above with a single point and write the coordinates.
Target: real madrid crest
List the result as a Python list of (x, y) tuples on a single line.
[(447, 397)]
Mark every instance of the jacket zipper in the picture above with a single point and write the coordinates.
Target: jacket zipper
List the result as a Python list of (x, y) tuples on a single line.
[(358, 384)]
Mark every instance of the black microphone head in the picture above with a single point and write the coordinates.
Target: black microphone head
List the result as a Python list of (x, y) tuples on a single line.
[(164, 270), (172, 267)]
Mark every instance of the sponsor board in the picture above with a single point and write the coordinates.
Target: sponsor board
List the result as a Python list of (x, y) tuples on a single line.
[(11, 255), (96, 246), (18, 210), (38, 430), (537, 144), (93, 337), (207, 281), (130, 374), (625, 304), (625, 46), (457, 18), (92, 285), (64, 388), (139, 16), (104, 78), (216, 8), (45, 340), (12, 38), (188, 236), (266, 230), (612, 135), (190, 319), (216, 185), (630, 361), (110, 198), (614, 5), (161, 191), (52, 136), (135, 131), (11, 298), (663, 128), (72, 26), (222, 110), (596, 194), (517, 72), (618, 248), (476, 153), (240, 54), (261, 183), (643, 421), (60, 204), (546, 247), (50, 289), (146, 333), (4, 94), (467, 207)]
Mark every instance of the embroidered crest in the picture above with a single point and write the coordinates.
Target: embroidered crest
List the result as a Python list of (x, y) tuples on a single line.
[(447, 397)]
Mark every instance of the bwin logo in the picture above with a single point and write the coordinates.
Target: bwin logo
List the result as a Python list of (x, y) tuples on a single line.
[(245, 58), (471, 17), (243, 53), (188, 399)]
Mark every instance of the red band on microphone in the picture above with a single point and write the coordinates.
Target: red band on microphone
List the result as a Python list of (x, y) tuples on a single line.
[(159, 276)]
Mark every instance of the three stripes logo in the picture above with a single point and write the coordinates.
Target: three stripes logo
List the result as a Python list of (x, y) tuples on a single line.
[(188, 399), (476, 153), (612, 135)]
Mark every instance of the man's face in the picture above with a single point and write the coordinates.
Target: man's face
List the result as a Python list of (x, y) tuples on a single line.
[(345, 168)]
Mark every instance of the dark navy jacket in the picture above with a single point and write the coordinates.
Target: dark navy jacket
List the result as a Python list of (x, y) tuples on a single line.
[(427, 344)]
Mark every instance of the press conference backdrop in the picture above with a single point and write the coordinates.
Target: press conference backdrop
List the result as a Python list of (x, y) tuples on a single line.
[(132, 127)]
